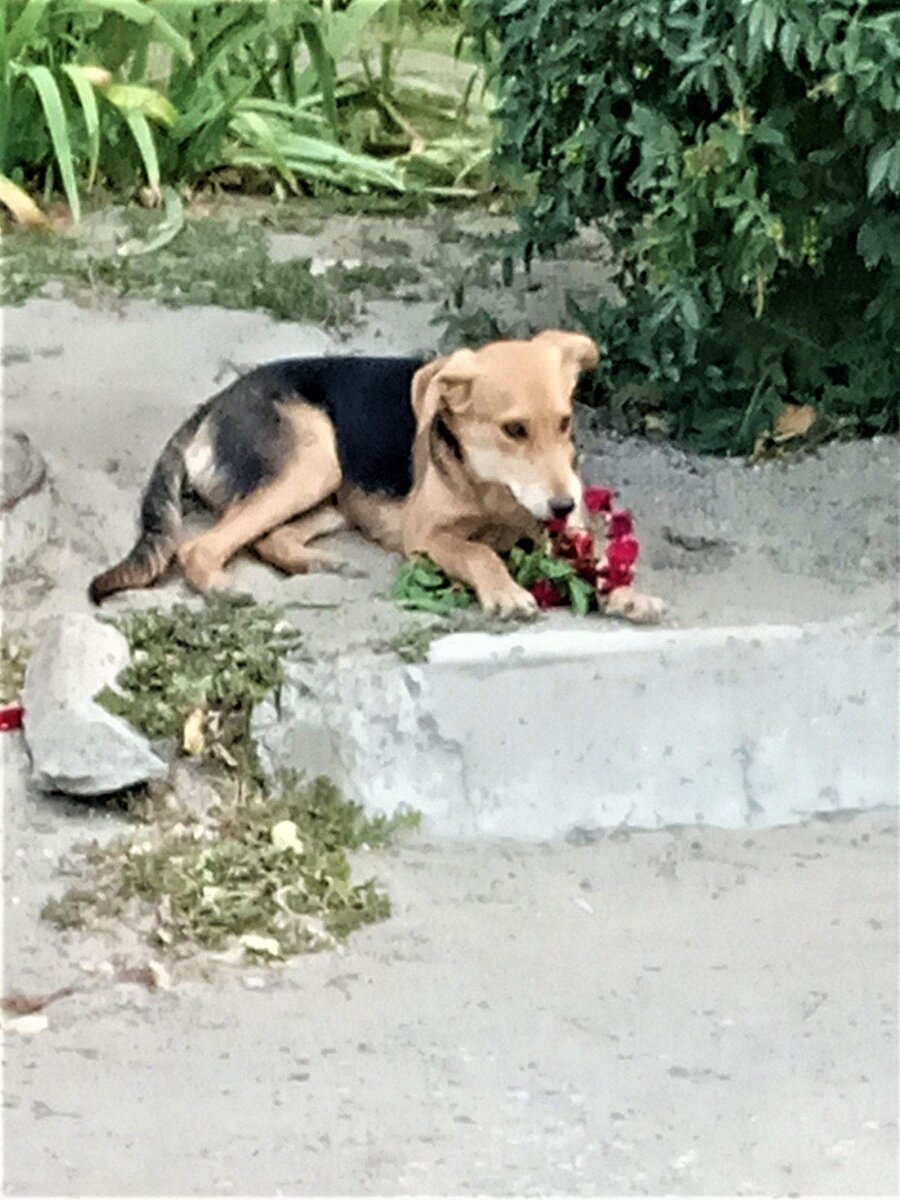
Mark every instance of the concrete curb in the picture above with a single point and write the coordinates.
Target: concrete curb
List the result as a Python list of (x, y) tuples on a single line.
[(537, 733)]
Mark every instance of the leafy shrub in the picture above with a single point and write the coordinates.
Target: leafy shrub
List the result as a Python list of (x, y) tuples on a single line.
[(744, 157)]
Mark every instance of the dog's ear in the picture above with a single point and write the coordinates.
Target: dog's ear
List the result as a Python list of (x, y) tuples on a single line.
[(444, 383), (577, 349)]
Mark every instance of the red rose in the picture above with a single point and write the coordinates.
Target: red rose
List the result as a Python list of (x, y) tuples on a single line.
[(598, 499), (583, 544), (620, 523), (11, 718), (611, 577), (546, 594), (622, 552)]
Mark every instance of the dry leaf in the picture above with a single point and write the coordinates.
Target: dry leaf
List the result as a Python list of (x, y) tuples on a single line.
[(192, 741), (33, 1023), (794, 421), (284, 837), (21, 205), (261, 945), (97, 77), (161, 977), (150, 197)]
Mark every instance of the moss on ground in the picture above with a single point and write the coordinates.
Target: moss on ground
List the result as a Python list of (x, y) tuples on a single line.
[(13, 661), (210, 261), (262, 874)]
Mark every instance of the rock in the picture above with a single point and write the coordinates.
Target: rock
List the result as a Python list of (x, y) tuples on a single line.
[(25, 501), (76, 746)]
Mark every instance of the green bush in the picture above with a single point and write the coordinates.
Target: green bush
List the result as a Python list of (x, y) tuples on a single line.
[(744, 157)]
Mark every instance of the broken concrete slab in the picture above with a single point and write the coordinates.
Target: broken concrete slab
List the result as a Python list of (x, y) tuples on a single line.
[(537, 733), (76, 746)]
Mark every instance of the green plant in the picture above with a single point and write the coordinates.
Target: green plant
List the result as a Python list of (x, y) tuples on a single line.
[(261, 874), (744, 158), (205, 262), (70, 102), (254, 89), (422, 586), (13, 661), (206, 665)]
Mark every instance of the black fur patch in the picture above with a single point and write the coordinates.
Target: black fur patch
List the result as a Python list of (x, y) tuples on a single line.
[(367, 399), (442, 434)]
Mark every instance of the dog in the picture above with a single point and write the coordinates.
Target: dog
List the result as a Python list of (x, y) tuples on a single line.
[(459, 458)]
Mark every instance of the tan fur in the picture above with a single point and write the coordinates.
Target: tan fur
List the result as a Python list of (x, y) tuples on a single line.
[(287, 547), (378, 517), (310, 475), (633, 606), (464, 514), (464, 510)]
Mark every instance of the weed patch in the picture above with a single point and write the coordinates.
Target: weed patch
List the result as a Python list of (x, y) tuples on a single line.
[(209, 262), (195, 674), (13, 661), (262, 874), (264, 871)]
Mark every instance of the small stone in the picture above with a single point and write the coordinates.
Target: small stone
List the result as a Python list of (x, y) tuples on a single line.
[(76, 746)]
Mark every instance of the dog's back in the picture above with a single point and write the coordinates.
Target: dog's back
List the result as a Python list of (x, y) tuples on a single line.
[(239, 440), (366, 399)]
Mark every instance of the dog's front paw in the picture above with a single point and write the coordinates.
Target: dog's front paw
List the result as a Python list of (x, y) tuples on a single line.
[(508, 600), (634, 606), (202, 571)]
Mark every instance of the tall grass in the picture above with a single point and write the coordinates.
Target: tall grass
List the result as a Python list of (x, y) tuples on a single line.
[(291, 92)]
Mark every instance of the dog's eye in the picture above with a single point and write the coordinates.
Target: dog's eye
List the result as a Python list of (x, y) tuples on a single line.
[(565, 425), (515, 430)]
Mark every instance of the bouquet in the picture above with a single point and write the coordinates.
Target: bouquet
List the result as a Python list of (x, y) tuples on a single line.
[(575, 568)]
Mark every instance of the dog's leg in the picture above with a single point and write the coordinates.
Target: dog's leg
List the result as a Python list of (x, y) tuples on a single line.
[(633, 606), (309, 476), (477, 564), (287, 547)]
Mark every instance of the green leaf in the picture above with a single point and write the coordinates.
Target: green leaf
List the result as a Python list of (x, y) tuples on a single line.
[(325, 71), (879, 165), (24, 26), (58, 127), (139, 14), (135, 98), (166, 231), (788, 41), (85, 92), (143, 136)]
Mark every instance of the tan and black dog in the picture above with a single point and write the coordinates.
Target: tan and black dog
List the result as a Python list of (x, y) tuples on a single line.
[(458, 458)]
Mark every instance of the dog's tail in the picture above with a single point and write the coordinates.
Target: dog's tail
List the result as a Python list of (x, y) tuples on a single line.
[(160, 520)]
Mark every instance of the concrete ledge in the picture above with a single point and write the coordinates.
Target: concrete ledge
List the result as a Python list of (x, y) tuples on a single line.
[(536, 733)]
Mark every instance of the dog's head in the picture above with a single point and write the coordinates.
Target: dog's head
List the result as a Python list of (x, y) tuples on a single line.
[(509, 406)]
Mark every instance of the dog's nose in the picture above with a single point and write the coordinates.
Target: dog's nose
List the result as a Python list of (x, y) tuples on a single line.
[(560, 506)]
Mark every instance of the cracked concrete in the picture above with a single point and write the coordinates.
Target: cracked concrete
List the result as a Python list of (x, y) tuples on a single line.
[(681, 1012)]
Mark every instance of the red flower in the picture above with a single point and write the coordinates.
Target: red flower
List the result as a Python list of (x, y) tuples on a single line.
[(622, 552), (556, 525), (620, 523), (583, 544), (598, 499), (546, 594), (11, 718), (612, 577)]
